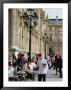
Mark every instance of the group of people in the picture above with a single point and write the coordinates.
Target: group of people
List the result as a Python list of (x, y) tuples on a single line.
[(20, 64), (56, 62), (40, 64)]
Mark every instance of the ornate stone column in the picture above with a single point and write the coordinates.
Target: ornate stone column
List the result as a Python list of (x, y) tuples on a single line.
[(12, 31)]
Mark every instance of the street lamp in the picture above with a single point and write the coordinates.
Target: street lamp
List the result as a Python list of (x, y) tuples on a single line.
[(30, 20), (45, 40)]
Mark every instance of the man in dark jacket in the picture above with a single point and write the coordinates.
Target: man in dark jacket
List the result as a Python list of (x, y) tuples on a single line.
[(59, 65)]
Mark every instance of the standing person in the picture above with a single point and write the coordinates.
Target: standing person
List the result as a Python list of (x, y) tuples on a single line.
[(56, 63), (42, 68), (60, 66), (29, 70), (52, 61)]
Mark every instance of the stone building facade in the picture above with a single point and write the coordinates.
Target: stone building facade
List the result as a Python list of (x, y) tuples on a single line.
[(56, 33), (19, 33)]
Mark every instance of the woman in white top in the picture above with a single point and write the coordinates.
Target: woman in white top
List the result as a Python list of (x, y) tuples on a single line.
[(33, 62), (10, 70), (42, 68), (29, 70)]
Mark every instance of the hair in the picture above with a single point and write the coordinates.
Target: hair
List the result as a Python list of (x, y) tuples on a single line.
[(22, 55), (60, 56), (39, 55), (19, 54), (9, 63)]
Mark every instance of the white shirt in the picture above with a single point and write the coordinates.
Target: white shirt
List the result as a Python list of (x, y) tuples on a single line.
[(31, 67), (25, 66), (10, 71), (42, 66), (34, 65)]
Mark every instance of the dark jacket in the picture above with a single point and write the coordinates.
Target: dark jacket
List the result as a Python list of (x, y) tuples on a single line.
[(20, 62), (59, 62)]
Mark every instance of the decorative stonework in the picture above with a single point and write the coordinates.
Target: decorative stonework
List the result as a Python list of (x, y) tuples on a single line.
[(19, 34)]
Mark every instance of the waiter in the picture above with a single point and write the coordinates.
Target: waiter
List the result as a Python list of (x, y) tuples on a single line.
[(42, 68)]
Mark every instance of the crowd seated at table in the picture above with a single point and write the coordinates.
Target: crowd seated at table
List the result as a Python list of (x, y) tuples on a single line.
[(21, 65)]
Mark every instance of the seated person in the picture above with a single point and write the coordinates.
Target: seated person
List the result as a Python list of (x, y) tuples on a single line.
[(20, 62), (10, 70), (33, 64), (29, 70)]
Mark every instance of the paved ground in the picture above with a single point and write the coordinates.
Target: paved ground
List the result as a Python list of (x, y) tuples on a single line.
[(51, 76)]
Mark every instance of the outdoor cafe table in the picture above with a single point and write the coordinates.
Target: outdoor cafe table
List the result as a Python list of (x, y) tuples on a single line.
[(21, 74)]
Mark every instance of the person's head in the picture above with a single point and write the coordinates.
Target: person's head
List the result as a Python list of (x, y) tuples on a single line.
[(33, 59), (39, 56), (22, 55), (9, 63), (26, 61), (60, 56)]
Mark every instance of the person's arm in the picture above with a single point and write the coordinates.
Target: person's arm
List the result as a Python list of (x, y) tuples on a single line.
[(19, 67)]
